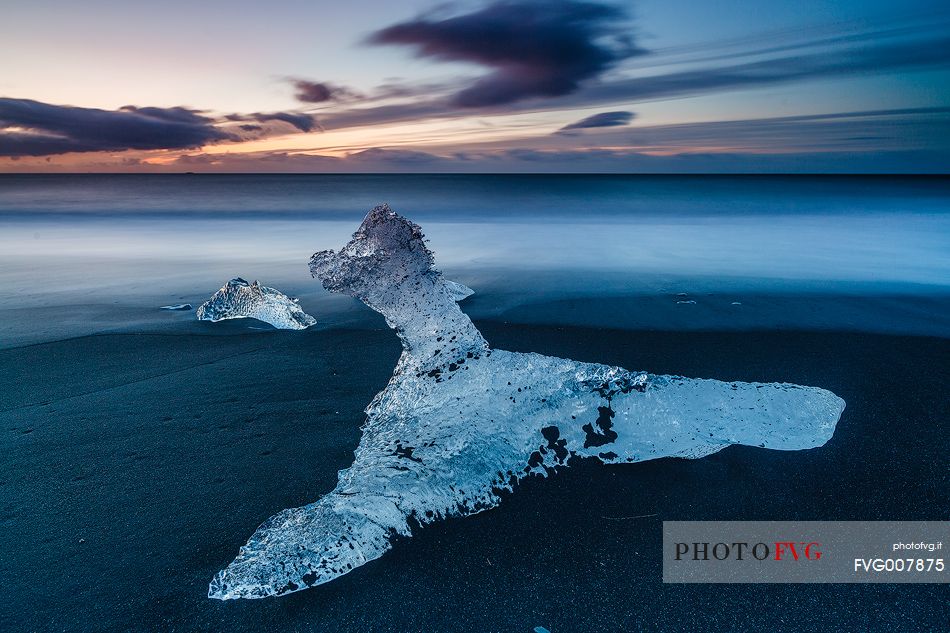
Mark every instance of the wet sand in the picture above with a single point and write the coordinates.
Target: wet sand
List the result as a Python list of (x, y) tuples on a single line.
[(133, 466)]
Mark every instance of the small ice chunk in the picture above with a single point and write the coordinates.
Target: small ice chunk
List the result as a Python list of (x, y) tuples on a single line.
[(686, 302), (178, 307), (458, 291), (737, 303), (239, 299)]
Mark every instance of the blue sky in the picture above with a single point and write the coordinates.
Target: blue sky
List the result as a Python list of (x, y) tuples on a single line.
[(513, 85)]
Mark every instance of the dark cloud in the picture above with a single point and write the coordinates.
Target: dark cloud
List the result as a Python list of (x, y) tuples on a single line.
[(534, 48), (925, 51), (602, 119), (299, 120), (313, 92), (303, 122), (320, 92), (172, 115), (42, 129), (51, 129)]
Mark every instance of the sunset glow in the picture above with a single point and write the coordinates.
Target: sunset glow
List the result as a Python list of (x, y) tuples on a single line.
[(379, 87)]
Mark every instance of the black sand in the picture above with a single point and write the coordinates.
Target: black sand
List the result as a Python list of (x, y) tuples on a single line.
[(133, 466)]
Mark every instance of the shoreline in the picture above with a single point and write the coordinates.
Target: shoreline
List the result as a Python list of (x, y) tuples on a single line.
[(901, 314)]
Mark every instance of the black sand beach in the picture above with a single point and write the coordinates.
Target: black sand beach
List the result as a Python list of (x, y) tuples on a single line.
[(135, 465)]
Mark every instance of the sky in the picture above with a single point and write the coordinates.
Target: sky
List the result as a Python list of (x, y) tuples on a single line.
[(498, 86)]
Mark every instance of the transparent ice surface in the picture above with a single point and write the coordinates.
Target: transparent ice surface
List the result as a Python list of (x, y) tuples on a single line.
[(239, 299), (459, 291), (459, 422)]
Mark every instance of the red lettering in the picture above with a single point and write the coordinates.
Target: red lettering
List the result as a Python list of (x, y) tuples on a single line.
[(782, 545)]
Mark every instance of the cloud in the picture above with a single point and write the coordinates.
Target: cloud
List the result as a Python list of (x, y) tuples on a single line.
[(392, 156), (529, 160), (301, 121), (860, 132), (258, 162), (602, 119), (533, 48), (373, 159), (876, 59), (415, 110), (32, 128), (920, 52), (320, 92), (255, 123), (899, 129), (313, 92)]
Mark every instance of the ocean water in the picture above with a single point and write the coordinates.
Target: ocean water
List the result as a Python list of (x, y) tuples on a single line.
[(132, 468), (88, 253)]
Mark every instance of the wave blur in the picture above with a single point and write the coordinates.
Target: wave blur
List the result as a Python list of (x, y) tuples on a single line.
[(138, 241)]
